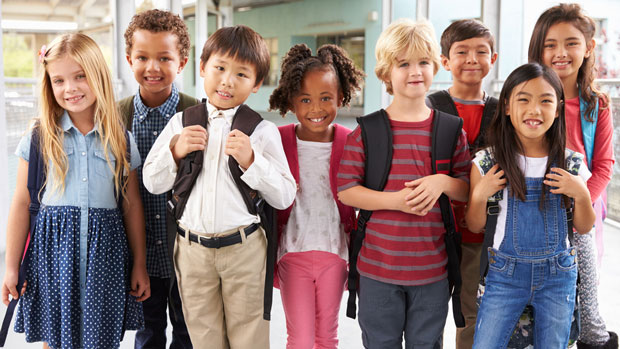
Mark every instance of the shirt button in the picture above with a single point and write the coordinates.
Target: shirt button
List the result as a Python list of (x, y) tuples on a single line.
[(167, 115), (84, 179), (157, 216), (154, 133), (83, 153), (159, 242)]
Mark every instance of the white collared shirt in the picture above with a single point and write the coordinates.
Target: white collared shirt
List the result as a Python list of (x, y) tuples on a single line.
[(215, 204)]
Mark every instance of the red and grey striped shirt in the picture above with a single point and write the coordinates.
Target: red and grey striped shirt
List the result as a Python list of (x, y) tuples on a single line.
[(401, 248)]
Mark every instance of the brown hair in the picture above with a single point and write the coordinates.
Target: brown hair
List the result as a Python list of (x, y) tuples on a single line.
[(299, 60), (572, 14), (157, 21), (463, 30), (242, 43)]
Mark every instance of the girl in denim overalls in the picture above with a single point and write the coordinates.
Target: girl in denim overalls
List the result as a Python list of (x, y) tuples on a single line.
[(526, 168)]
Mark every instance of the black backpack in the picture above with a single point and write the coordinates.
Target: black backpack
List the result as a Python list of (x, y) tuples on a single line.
[(445, 134), (245, 120), (443, 101), (36, 179)]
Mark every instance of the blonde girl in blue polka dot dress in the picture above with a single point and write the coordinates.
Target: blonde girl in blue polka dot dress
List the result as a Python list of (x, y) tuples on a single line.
[(81, 290)]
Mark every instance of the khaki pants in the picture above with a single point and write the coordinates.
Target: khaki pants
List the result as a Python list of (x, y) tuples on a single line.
[(222, 292), (470, 274)]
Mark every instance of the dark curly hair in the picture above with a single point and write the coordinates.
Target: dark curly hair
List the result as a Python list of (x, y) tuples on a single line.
[(157, 21), (300, 60)]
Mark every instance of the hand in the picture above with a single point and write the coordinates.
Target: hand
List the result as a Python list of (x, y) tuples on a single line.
[(399, 201), (490, 183), (140, 283), (9, 286), (426, 191), (239, 147), (192, 138), (563, 182)]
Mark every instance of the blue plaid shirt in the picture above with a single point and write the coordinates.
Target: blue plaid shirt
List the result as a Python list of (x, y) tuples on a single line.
[(147, 125)]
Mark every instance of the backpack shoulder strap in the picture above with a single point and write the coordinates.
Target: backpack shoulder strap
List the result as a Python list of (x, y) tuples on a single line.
[(573, 162), (195, 115), (486, 163), (442, 100), (445, 135), (245, 120), (189, 167), (125, 107), (588, 128), (490, 106), (375, 127), (444, 138)]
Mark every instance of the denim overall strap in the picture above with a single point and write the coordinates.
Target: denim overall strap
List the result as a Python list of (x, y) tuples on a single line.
[(530, 231)]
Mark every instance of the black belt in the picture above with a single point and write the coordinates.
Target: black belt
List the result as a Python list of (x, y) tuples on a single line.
[(217, 242)]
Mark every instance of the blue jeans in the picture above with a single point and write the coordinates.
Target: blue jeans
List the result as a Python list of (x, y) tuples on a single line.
[(547, 284), (388, 310), (155, 320), (533, 266)]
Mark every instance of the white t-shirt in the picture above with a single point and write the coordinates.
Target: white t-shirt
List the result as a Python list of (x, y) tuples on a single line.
[(314, 223), (534, 168)]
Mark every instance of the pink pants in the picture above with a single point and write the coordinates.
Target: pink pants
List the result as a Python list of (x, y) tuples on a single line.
[(311, 286)]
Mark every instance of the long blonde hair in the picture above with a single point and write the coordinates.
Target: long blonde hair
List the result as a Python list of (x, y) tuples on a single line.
[(87, 54)]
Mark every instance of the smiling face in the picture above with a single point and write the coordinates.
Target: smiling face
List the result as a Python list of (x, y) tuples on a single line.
[(532, 108), (155, 61), (71, 88), (470, 60), (565, 48), (411, 77), (228, 82), (316, 104)]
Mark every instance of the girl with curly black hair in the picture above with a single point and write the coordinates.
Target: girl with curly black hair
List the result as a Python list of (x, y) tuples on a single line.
[(312, 254)]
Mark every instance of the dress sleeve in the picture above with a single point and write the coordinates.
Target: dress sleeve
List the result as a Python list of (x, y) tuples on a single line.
[(23, 148)]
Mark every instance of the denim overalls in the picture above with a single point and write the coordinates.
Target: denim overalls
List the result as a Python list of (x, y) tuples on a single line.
[(533, 266)]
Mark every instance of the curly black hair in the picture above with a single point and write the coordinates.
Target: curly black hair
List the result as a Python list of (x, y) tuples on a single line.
[(157, 21), (300, 60)]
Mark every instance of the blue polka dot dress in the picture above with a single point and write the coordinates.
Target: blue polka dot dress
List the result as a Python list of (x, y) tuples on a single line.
[(77, 294)]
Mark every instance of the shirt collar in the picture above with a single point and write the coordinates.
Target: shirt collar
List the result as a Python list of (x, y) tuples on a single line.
[(66, 123), (166, 110), (228, 113)]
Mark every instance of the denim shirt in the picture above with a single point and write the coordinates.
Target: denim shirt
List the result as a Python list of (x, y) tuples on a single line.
[(89, 181)]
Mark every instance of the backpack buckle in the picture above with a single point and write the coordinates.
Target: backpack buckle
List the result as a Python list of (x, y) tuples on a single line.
[(493, 210)]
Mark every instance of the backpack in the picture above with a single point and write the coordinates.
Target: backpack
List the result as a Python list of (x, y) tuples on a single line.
[(445, 133), (245, 120), (36, 179), (443, 101)]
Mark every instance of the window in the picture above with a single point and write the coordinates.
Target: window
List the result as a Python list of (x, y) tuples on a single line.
[(274, 65)]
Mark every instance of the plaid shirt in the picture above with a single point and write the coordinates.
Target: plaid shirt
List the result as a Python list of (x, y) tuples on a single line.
[(147, 125)]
